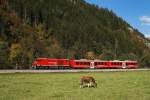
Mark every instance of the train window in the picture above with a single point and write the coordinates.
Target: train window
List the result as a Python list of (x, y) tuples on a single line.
[(95, 63), (133, 64), (130, 63), (113, 63), (80, 63), (101, 63), (120, 64), (87, 63)]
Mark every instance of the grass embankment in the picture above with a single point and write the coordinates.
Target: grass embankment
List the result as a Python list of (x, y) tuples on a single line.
[(65, 86)]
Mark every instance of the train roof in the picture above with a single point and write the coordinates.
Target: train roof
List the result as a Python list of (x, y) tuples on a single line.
[(50, 59), (116, 60), (83, 60)]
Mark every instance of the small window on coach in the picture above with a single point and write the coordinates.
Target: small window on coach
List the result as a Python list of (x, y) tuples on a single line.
[(80, 63), (77, 63), (95, 63), (120, 63), (101, 63), (113, 63)]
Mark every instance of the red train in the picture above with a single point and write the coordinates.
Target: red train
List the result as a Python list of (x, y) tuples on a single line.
[(49, 63)]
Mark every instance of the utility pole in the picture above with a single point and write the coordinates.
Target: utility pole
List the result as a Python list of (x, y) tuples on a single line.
[(116, 47)]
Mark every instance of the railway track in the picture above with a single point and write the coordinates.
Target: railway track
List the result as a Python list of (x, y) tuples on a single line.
[(71, 71)]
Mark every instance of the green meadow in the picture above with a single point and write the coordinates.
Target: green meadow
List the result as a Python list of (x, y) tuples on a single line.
[(65, 86)]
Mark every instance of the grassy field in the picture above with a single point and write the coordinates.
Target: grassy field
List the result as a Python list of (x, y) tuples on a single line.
[(65, 86)]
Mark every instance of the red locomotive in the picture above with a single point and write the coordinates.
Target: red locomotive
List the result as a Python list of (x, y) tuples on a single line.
[(49, 63)]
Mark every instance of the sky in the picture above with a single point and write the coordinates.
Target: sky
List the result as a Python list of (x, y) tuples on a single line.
[(135, 12)]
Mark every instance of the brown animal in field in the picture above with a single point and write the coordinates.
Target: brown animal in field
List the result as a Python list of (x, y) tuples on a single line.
[(87, 81)]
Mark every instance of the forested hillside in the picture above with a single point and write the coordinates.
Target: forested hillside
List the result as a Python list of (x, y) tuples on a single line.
[(65, 29)]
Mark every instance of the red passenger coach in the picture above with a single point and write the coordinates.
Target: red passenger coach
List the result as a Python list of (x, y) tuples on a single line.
[(117, 64), (131, 64), (123, 64), (108, 64), (101, 64), (81, 64), (49, 63)]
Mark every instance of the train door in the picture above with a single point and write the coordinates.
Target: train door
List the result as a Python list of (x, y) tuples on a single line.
[(92, 65), (124, 65)]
